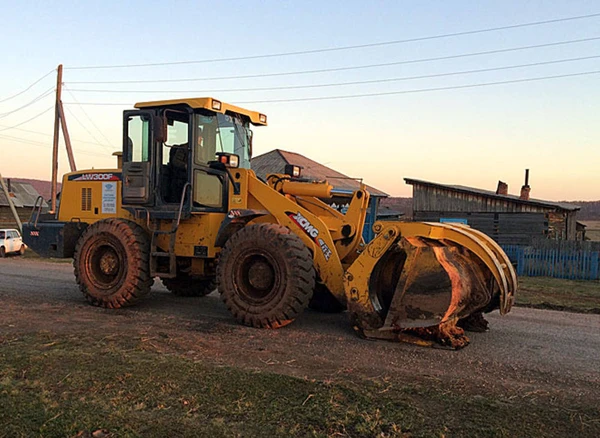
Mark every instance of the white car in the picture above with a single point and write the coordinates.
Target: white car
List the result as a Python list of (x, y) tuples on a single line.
[(10, 241)]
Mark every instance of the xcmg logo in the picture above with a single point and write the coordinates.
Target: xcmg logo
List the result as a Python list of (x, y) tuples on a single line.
[(305, 224), (312, 231)]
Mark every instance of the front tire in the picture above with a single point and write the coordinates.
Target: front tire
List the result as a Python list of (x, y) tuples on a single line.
[(266, 275), (112, 263)]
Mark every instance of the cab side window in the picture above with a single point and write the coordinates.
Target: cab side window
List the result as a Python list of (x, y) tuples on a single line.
[(208, 190), (206, 139), (138, 131)]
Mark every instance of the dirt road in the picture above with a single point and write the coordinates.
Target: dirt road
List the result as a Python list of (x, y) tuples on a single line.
[(537, 353)]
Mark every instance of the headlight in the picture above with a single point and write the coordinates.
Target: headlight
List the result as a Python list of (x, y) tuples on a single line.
[(229, 160), (234, 161), (292, 170), (216, 105)]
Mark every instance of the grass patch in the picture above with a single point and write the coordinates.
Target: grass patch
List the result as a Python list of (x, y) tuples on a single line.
[(64, 386), (559, 294)]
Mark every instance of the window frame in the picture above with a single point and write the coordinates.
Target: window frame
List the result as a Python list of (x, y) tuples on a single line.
[(204, 167), (127, 148)]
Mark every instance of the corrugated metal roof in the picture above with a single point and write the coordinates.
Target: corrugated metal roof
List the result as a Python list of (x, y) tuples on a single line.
[(22, 195), (275, 161), (491, 194)]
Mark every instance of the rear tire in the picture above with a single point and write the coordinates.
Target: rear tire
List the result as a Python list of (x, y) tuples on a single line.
[(2, 252), (112, 263), (190, 286), (266, 275)]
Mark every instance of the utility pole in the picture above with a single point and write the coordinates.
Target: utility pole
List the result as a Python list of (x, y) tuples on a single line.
[(55, 142), (11, 204), (59, 122)]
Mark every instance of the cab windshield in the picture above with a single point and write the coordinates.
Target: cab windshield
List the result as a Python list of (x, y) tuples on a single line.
[(221, 133)]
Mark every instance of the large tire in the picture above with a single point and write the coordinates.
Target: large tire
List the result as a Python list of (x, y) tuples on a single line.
[(190, 286), (324, 301), (112, 263), (266, 275)]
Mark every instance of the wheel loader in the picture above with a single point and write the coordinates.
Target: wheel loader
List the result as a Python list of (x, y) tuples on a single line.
[(183, 205)]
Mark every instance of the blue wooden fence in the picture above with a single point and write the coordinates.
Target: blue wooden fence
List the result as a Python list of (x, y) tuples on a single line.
[(557, 260)]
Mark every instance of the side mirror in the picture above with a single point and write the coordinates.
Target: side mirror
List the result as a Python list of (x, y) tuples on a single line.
[(160, 129)]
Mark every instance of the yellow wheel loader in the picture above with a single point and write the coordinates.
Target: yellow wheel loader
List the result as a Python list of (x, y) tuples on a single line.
[(184, 205)]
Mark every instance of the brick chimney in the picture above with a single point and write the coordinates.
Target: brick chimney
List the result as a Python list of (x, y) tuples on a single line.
[(525, 189), (502, 188)]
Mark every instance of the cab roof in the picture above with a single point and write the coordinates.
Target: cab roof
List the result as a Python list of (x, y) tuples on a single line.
[(210, 104)]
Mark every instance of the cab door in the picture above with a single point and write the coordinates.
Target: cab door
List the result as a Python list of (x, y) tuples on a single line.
[(138, 156)]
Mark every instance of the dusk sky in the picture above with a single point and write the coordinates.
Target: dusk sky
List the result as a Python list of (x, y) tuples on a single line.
[(384, 126)]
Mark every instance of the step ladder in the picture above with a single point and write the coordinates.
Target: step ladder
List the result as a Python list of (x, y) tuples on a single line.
[(155, 254)]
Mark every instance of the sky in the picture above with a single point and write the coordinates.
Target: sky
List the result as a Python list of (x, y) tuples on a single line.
[(440, 127)]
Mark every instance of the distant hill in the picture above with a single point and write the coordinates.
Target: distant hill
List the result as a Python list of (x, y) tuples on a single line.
[(590, 210)]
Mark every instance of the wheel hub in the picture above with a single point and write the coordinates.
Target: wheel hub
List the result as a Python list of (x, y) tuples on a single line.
[(109, 263), (260, 275)]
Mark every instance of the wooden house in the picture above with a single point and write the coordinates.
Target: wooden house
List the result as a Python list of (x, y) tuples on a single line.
[(508, 219), (23, 196)]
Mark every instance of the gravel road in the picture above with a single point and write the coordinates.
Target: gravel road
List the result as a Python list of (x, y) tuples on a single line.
[(535, 353)]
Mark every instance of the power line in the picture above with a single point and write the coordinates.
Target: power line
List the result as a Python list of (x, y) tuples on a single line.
[(28, 88), (423, 90), (39, 97), (337, 49), (6, 128), (99, 103), (51, 135), (336, 69), (89, 118), (85, 128), (39, 143), (336, 84), (420, 90)]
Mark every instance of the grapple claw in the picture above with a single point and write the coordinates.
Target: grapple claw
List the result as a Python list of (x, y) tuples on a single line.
[(421, 279)]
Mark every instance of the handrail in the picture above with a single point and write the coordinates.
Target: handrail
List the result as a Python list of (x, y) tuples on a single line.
[(35, 205), (181, 202)]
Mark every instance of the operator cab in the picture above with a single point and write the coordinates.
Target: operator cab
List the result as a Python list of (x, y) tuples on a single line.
[(172, 155)]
